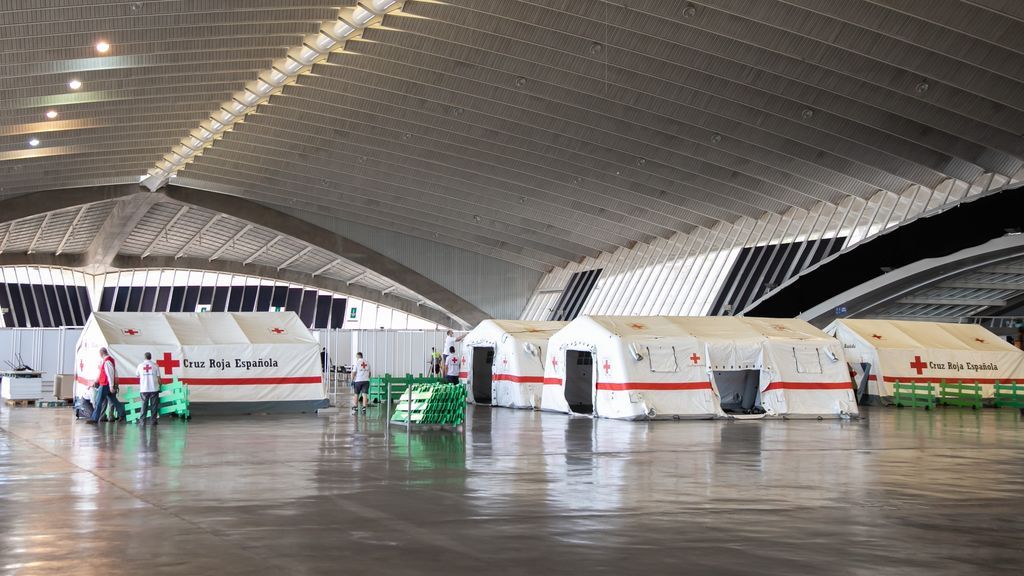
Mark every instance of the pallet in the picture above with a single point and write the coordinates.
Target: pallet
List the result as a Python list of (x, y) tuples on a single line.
[(52, 404), (19, 402)]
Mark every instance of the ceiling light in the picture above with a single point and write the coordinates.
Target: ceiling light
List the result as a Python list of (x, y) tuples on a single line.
[(51, 114), (807, 114), (102, 47), (922, 87), (33, 142), (74, 84)]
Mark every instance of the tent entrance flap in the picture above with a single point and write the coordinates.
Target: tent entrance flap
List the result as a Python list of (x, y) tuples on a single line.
[(579, 381), (739, 391), (483, 373)]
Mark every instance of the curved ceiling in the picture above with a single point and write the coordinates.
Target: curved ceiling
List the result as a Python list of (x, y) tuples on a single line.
[(537, 132)]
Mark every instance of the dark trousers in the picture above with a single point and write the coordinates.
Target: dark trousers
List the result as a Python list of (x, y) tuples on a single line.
[(103, 395), (150, 403)]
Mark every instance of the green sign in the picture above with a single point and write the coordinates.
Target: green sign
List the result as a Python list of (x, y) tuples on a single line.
[(352, 313)]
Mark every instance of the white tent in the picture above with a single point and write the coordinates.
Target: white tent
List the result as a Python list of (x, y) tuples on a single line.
[(880, 352), (503, 361), (232, 362), (690, 367)]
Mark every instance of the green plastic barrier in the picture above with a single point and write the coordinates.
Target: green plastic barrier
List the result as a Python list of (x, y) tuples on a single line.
[(379, 386), (1010, 395), (431, 403), (173, 400), (913, 395), (960, 394)]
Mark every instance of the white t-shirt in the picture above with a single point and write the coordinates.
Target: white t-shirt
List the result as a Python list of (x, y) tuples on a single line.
[(449, 342), (452, 365), (149, 376), (362, 368)]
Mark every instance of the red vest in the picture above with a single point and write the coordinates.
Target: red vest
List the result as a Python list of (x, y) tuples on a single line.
[(103, 373)]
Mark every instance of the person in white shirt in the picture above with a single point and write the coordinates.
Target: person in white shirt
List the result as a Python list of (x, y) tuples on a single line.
[(360, 382), (449, 344), (149, 388), (451, 364)]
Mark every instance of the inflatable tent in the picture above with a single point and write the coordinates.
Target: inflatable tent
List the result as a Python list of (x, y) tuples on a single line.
[(881, 352), (232, 362), (503, 362), (686, 367)]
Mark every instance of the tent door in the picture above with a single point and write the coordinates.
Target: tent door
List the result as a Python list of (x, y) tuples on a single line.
[(739, 391), (483, 364), (579, 381)]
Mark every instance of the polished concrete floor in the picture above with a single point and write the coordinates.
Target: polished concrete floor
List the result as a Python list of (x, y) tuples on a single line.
[(898, 492)]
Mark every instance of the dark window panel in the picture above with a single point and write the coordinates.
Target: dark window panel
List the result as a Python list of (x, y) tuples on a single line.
[(294, 302), (163, 297), (177, 299), (339, 312), (75, 304), (39, 296), (280, 298), (148, 299), (17, 306), (121, 299), (53, 302), (107, 299), (235, 299), (206, 295), (263, 298), (67, 317), (28, 300), (191, 299), (308, 309), (249, 299), (134, 299), (220, 299), (323, 311), (5, 302), (84, 310)]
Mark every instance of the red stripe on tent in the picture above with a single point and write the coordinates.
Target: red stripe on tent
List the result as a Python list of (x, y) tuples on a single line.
[(520, 379), (224, 381), (654, 385), (808, 386), (552, 381), (463, 374)]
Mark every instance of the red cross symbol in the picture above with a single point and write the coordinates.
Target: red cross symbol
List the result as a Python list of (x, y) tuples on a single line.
[(463, 359), (277, 331), (779, 327), (876, 336), (147, 368), (81, 365), (637, 326), (168, 364), (695, 358), (918, 365), (504, 361), (554, 362), (362, 365), (131, 331), (606, 366), (979, 340)]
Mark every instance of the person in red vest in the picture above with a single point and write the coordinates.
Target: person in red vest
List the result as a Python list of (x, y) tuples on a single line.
[(107, 388)]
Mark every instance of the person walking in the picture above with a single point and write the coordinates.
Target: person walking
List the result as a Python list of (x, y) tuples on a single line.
[(451, 364), (449, 344), (361, 383), (106, 385), (149, 388), (435, 362)]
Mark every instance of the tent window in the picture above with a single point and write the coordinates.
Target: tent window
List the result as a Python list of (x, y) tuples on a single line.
[(662, 358), (807, 360)]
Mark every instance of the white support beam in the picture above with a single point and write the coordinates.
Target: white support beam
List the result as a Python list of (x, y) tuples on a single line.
[(7, 236), (230, 242), (389, 289), (262, 250), (71, 229), (953, 301), (304, 251), (1005, 269), (327, 267), (356, 278), (170, 224), (39, 233), (199, 235)]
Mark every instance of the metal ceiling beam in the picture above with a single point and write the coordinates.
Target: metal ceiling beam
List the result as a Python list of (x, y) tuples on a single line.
[(170, 224), (327, 266), (39, 232), (119, 225), (263, 249), (936, 301), (231, 242), (1005, 269), (296, 257), (71, 229), (982, 285), (206, 228), (33, 203)]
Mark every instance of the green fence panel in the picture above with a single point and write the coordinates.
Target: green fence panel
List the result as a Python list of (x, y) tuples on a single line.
[(173, 400), (967, 395), (1009, 395), (431, 402), (913, 395)]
